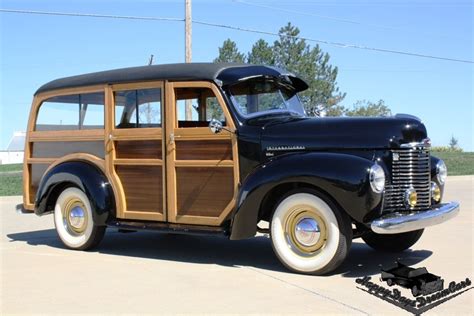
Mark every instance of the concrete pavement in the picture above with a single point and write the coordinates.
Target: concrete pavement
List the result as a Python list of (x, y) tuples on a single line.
[(151, 273)]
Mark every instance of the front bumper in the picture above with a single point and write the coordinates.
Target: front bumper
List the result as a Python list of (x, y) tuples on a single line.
[(395, 223)]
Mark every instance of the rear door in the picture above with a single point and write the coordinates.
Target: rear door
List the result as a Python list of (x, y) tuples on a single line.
[(135, 150)]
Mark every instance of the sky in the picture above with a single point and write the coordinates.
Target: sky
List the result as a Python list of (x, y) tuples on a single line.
[(35, 49)]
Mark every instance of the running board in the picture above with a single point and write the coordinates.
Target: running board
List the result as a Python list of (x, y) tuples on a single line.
[(169, 227)]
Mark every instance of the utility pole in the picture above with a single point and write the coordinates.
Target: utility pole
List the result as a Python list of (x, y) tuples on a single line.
[(188, 51), (188, 30)]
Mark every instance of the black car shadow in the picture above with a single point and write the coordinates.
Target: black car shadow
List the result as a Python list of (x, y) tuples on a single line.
[(254, 252)]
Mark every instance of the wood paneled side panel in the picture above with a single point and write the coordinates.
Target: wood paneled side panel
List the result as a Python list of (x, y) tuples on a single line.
[(36, 173), (204, 150), (204, 191), (143, 187), (59, 149), (138, 149)]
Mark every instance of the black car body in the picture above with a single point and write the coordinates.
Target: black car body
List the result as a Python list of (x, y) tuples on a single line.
[(331, 174)]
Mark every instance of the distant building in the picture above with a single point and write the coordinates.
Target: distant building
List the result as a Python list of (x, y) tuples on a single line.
[(15, 150)]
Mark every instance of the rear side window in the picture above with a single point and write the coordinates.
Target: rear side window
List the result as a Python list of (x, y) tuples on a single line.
[(71, 112), (138, 108)]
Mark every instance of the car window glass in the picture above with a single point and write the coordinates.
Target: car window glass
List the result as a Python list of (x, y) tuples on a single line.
[(92, 111), (196, 107), (71, 112), (138, 108)]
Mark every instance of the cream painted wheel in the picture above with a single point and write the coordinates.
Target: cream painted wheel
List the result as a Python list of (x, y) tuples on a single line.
[(308, 235), (74, 221)]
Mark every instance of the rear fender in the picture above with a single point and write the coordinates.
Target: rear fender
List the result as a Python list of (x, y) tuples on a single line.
[(85, 176)]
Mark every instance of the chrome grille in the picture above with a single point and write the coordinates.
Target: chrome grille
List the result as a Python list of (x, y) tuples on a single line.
[(410, 168)]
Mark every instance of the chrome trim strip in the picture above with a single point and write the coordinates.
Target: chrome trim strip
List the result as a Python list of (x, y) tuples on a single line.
[(395, 223), (424, 143)]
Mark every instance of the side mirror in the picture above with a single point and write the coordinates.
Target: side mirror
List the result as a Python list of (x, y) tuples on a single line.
[(215, 126)]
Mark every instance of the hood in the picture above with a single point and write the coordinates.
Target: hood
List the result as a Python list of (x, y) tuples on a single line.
[(342, 133)]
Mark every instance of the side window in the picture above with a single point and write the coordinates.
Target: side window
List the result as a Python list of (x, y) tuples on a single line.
[(92, 111), (138, 108), (71, 112), (196, 107)]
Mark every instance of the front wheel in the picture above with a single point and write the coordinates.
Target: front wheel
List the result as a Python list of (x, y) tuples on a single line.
[(74, 221), (309, 234), (392, 242)]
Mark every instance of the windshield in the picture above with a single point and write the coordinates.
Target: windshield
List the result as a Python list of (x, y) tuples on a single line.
[(260, 96)]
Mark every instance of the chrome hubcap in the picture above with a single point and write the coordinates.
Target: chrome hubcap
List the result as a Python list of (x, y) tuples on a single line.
[(77, 217), (307, 232)]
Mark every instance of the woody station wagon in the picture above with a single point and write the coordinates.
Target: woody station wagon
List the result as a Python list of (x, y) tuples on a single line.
[(218, 148)]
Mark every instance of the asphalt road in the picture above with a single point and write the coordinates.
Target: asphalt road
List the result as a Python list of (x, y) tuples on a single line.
[(149, 272)]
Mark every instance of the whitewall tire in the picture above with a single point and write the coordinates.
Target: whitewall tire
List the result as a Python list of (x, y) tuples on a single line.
[(309, 234), (74, 220)]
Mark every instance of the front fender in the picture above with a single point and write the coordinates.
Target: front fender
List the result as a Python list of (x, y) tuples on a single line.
[(86, 177), (341, 176)]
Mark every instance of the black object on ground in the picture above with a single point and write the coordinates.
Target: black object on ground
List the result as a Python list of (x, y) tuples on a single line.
[(419, 280)]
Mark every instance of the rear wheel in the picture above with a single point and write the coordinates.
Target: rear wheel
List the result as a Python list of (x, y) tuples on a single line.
[(74, 221), (392, 242), (309, 234)]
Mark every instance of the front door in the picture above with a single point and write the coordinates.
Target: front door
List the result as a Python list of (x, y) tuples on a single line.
[(201, 167)]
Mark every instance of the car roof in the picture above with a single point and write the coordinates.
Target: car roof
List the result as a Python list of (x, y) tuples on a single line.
[(226, 73)]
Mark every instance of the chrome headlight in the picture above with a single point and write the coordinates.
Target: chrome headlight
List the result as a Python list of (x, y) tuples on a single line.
[(377, 178), (441, 172)]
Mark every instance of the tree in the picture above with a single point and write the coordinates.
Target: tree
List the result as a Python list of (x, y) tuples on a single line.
[(368, 108), (261, 53), (294, 54), (453, 143), (229, 53), (335, 110)]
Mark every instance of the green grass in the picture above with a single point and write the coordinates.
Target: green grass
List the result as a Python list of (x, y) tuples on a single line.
[(11, 179), (458, 163), (11, 184), (12, 167)]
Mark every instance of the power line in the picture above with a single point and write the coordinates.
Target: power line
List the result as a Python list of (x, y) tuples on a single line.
[(241, 29), (310, 14), (94, 15), (338, 44), (331, 18)]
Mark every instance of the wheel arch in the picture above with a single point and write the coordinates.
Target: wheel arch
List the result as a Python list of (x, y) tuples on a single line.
[(279, 192), (85, 175)]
